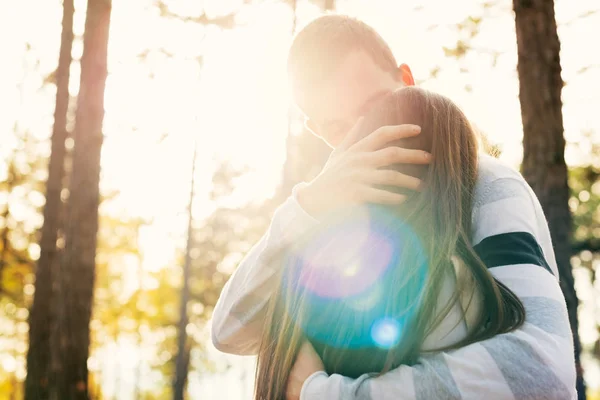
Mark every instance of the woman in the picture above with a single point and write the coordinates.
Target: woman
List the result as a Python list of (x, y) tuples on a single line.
[(375, 287)]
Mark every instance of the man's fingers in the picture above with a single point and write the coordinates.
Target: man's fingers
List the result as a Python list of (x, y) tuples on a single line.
[(396, 155), (392, 178), (385, 135), (380, 196), (353, 135)]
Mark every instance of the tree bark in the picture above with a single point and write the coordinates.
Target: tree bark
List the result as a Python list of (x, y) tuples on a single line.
[(40, 319), (287, 177), (328, 5), (544, 166), (183, 349), (77, 270)]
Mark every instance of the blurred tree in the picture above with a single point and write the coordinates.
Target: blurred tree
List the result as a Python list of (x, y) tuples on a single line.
[(184, 346), (21, 199), (23, 167), (219, 243), (119, 311), (21, 183), (287, 181), (305, 154), (222, 239), (182, 361), (585, 203), (74, 296), (38, 355), (15, 263), (544, 167)]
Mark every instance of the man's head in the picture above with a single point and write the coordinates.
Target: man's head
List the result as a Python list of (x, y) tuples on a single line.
[(338, 67)]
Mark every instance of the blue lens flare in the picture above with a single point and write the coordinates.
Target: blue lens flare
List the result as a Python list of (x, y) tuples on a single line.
[(386, 333), (357, 281)]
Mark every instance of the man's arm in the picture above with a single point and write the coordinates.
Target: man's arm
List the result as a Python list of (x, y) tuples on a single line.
[(534, 362), (347, 179), (237, 318)]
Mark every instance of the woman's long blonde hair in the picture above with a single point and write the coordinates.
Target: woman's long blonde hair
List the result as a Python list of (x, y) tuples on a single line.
[(441, 217)]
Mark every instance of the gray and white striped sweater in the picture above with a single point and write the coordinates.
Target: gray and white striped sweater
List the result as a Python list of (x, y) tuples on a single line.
[(512, 236)]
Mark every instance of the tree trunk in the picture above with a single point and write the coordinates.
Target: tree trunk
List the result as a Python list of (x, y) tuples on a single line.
[(40, 319), (77, 269), (544, 166), (287, 177), (328, 5), (183, 349)]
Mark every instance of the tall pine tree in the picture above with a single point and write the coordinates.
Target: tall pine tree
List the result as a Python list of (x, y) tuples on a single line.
[(40, 319), (76, 275), (544, 167)]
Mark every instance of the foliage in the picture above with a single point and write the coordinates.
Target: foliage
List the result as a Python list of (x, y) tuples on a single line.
[(138, 306)]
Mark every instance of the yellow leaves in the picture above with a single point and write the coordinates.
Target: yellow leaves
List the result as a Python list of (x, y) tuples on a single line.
[(7, 388), (16, 270), (593, 395)]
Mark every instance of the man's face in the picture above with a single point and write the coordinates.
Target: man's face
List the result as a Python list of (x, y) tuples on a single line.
[(356, 85)]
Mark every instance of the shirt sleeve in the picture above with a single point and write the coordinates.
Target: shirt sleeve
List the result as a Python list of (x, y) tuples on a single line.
[(535, 361), (239, 312)]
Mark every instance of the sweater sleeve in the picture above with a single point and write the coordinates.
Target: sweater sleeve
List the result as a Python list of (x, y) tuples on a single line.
[(238, 315), (535, 361)]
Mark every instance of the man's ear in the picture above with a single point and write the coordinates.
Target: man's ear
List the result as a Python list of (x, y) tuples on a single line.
[(405, 75)]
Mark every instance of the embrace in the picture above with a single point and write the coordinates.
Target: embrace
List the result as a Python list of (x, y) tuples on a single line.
[(413, 267)]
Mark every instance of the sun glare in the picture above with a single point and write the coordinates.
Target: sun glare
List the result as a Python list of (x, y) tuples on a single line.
[(174, 86)]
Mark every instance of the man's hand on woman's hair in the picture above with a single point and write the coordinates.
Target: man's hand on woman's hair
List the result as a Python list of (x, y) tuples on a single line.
[(307, 363), (354, 167)]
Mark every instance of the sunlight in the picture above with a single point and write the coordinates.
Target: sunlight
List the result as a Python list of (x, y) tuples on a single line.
[(173, 85), (386, 332), (367, 301)]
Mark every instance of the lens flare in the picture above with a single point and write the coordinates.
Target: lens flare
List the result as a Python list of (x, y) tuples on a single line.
[(367, 301), (357, 281), (386, 333), (351, 270), (345, 261)]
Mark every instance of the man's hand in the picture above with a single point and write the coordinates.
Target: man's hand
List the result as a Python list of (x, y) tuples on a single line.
[(307, 363), (353, 168)]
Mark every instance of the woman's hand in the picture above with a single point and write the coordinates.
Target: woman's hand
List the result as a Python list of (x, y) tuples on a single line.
[(307, 363), (353, 169)]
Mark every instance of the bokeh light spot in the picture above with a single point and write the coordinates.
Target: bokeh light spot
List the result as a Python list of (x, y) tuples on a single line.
[(386, 332), (351, 270)]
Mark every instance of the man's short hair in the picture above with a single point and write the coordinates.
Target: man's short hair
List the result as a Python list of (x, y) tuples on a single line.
[(325, 42)]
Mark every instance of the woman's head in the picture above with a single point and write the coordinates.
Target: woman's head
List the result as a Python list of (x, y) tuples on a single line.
[(440, 218), (445, 132)]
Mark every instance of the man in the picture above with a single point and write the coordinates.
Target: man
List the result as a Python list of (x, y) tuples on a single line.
[(338, 67)]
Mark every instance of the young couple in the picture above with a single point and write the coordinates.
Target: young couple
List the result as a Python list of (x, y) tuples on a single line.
[(413, 267)]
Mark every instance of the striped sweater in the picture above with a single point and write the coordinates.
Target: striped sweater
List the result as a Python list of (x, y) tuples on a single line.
[(511, 235)]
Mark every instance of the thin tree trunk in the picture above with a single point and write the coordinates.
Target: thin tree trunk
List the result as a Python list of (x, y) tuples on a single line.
[(329, 5), (288, 175), (293, 171), (77, 270), (544, 164), (40, 319), (183, 351)]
